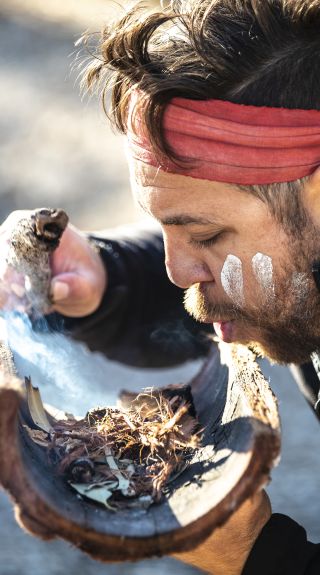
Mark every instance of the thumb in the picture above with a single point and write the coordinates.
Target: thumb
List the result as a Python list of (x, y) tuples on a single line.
[(74, 295), (60, 290)]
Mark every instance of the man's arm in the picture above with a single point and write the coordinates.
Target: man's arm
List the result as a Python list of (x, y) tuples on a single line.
[(282, 549), (253, 542), (226, 550), (141, 320)]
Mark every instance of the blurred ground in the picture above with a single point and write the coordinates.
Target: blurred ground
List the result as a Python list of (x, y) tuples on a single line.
[(75, 14), (58, 150), (55, 148)]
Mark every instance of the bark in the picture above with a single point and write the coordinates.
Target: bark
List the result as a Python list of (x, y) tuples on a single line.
[(241, 443), (31, 241)]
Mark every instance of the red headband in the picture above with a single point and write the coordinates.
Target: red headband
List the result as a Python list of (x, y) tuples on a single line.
[(234, 143)]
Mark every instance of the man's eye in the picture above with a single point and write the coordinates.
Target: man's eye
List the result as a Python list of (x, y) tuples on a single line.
[(205, 243)]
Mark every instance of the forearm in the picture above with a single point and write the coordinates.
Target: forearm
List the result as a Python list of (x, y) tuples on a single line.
[(271, 545), (141, 319), (226, 550)]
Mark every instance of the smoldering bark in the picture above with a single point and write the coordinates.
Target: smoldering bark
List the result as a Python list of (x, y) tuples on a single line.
[(31, 242)]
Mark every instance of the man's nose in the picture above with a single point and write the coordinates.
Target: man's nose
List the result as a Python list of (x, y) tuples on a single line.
[(184, 267)]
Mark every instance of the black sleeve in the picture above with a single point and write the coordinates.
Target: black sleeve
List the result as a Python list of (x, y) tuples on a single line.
[(141, 320), (282, 549), (308, 382)]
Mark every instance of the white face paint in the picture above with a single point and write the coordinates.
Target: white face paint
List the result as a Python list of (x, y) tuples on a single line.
[(232, 279), (263, 271)]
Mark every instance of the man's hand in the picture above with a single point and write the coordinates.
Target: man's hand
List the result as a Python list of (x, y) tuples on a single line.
[(79, 278), (78, 274), (227, 549)]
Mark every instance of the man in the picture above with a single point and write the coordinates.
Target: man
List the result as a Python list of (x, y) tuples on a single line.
[(220, 103)]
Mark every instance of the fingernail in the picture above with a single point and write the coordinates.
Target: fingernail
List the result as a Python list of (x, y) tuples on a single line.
[(18, 290), (60, 291)]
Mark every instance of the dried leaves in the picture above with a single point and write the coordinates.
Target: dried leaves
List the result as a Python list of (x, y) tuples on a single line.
[(122, 458), (36, 408)]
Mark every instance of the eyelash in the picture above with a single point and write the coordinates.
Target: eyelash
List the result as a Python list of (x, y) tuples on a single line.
[(205, 243)]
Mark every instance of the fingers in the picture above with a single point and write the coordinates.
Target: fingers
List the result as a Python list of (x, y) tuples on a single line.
[(12, 290)]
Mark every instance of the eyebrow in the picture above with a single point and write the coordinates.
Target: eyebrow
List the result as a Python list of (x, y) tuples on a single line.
[(180, 220), (184, 220)]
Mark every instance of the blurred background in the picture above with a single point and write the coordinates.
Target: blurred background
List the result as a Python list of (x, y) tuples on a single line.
[(57, 149)]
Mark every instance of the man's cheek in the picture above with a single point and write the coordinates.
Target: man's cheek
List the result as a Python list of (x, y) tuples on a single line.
[(232, 279), (262, 267)]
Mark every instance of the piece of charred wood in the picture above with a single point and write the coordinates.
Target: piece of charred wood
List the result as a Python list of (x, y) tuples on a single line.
[(240, 444), (31, 241)]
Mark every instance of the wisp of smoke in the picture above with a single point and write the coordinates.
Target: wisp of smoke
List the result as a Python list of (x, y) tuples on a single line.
[(70, 376)]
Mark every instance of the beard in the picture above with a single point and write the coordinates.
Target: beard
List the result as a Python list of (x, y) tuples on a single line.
[(283, 325)]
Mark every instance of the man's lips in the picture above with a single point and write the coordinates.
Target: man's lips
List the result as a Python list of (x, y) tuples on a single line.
[(224, 330)]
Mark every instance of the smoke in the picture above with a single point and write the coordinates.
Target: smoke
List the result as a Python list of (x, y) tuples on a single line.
[(69, 376)]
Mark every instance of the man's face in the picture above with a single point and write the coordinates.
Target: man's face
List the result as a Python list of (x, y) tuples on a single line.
[(240, 269)]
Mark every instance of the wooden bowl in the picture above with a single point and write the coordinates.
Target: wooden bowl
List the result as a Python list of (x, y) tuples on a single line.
[(241, 444)]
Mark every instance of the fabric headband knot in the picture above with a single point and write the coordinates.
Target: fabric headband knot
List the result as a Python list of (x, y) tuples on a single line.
[(233, 143)]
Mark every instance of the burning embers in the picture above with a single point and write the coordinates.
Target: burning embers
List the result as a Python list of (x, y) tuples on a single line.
[(122, 458)]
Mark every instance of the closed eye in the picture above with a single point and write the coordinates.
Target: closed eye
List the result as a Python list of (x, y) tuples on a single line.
[(205, 243)]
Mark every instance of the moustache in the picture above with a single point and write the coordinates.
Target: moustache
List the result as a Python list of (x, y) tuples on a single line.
[(199, 305)]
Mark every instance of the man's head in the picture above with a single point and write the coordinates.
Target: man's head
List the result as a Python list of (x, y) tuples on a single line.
[(241, 269), (255, 276)]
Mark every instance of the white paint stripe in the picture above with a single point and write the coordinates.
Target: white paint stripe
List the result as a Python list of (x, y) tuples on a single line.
[(232, 279), (263, 271)]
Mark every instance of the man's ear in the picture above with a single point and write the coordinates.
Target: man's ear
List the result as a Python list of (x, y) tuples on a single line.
[(311, 196)]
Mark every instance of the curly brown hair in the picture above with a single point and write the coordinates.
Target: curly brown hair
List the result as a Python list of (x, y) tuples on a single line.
[(254, 52)]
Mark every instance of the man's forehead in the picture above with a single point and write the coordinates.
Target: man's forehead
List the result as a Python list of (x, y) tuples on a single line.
[(179, 200), (149, 177)]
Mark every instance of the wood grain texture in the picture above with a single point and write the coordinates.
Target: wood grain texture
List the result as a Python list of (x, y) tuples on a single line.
[(241, 443)]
